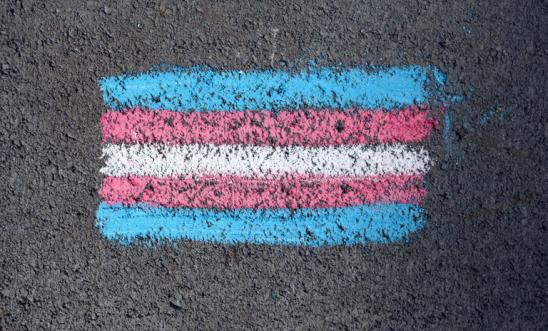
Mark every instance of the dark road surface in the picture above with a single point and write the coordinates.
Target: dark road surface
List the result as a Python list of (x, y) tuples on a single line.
[(479, 264)]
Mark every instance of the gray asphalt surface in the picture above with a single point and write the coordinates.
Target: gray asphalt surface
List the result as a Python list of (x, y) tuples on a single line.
[(480, 264)]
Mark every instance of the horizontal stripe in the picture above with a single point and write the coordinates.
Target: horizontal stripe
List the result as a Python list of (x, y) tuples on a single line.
[(243, 160), (229, 192), (202, 90), (313, 227), (286, 128)]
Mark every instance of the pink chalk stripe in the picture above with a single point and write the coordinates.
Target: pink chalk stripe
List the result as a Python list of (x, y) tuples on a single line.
[(305, 127), (229, 192)]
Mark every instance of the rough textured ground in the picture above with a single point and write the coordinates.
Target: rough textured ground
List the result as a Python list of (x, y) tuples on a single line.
[(480, 264)]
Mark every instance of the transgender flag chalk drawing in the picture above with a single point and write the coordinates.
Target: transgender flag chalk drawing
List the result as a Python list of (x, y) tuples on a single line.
[(324, 156)]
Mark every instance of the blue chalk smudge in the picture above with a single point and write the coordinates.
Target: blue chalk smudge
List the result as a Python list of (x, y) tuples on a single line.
[(379, 223), (441, 79), (439, 76), (446, 134), (506, 112), (488, 115), (446, 100)]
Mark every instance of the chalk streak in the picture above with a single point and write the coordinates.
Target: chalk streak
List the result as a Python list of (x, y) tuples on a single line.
[(261, 161), (203, 90), (227, 192), (306, 128), (379, 223)]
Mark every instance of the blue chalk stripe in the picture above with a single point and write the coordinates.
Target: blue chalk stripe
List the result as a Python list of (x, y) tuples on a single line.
[(184, 89), (380, 223)]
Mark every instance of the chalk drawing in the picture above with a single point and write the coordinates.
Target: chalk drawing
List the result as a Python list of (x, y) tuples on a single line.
[(322, 156)]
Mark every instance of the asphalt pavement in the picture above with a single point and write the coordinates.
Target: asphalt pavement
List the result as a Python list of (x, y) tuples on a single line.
[(479, 264)]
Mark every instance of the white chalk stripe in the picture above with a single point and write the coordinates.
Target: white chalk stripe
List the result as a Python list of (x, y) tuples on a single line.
[(245, 160)]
